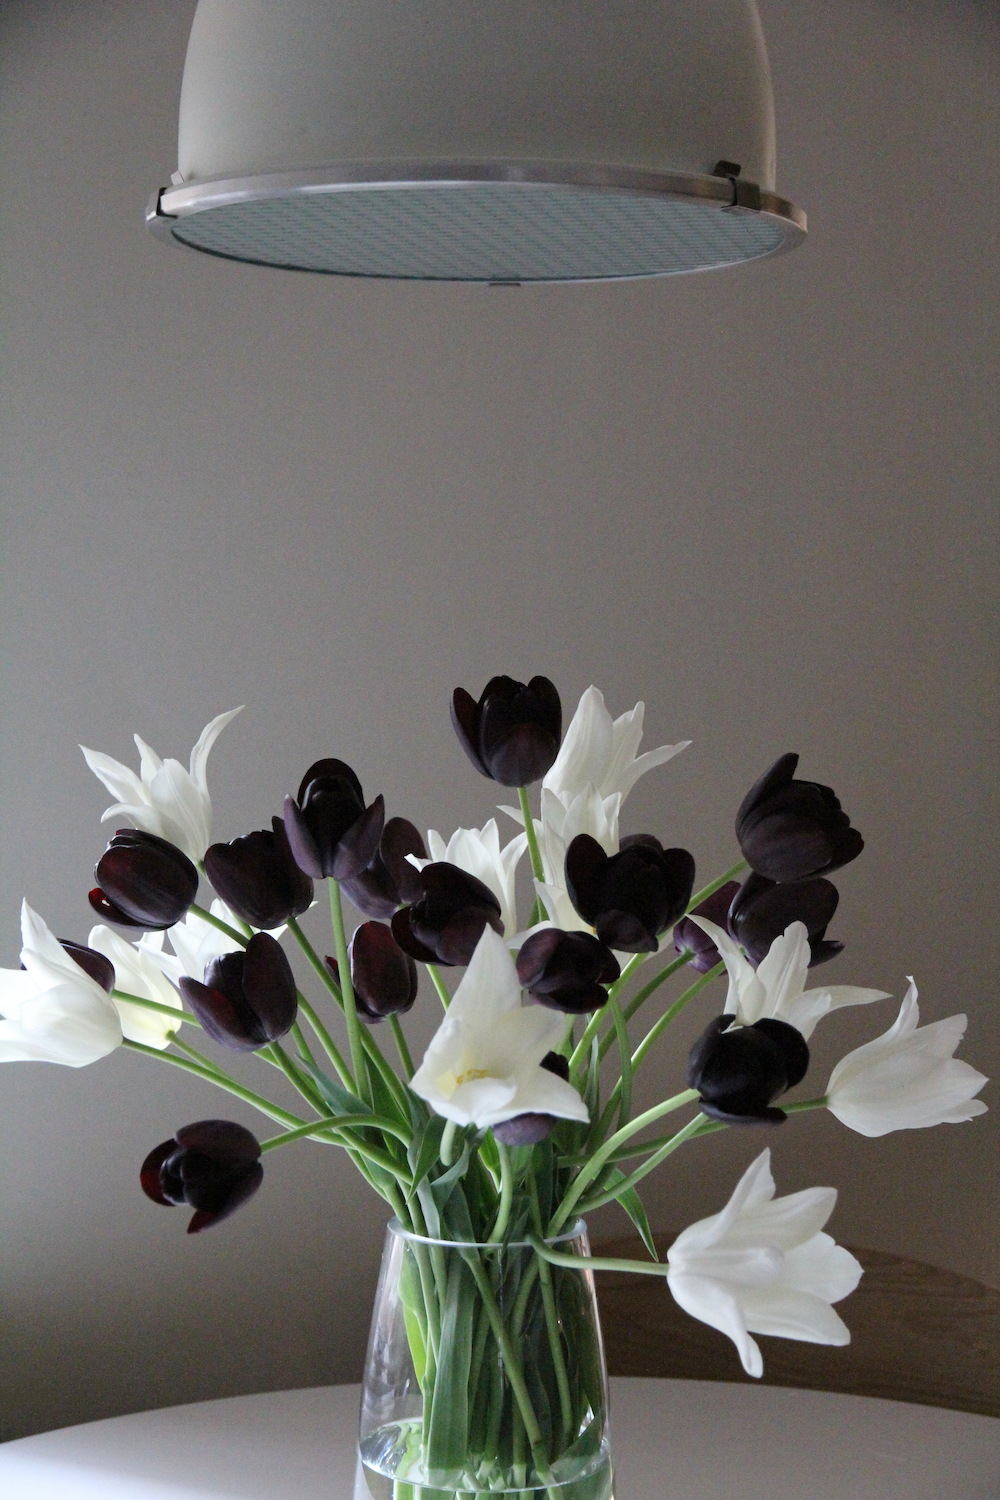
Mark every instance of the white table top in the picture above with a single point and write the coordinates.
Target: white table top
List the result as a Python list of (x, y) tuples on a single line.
[(673, 1440)]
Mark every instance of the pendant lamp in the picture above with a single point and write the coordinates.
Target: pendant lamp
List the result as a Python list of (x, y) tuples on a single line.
[(478, 140)]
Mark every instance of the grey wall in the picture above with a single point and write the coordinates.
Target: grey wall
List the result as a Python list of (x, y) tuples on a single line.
[(764, 500)]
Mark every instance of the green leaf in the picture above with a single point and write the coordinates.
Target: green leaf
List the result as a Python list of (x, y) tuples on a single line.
[(424, 1149), (448, 1438), (340, 1100), (632, 1204)]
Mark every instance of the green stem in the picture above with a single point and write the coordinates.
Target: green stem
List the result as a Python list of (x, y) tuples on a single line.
[(596, 1262), (437, 979), (794, 1109), (303, 1046), (715, 885), (164, 1010), (625, 1055), (448, 1143), (213, 921), (581, 1052), (220, 1079), (552, 1321), (316, 963), (327, 1043), (587, 1174), (347, 992), (401, 1047), (506, 1195), (639, 999), (303, 1085), (315, 1128), (661, 1025), (534, 853), (698, 1126)]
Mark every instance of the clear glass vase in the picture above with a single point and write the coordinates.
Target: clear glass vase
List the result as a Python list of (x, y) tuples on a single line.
[(485, 1374)]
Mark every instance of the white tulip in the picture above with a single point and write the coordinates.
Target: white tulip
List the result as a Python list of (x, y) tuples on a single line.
[(477, 851), (164, 798), (601, 751), (52, 1010), (777, 989), (138, 974), (762, 1266), (483, 1065), (195, 943), (906, 1079)]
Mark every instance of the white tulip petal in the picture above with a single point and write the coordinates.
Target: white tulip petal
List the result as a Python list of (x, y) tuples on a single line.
[(746, 996), (149, 761), (204, 743), (138, 973), (785, 1222), (785, 1313), (479, 1101), (710, 1302), (783, 970), (823, 1268), (119, 780), (489, 987)]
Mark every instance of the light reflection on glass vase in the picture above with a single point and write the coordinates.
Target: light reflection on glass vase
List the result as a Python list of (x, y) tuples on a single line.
[(485, 1374)]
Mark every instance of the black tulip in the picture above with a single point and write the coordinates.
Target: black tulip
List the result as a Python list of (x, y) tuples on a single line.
[(257, 877), (529, 1129), (789, 829), (143, 881), (632, 896), (762, 910), (390, 880), (330, 830), (95, 964), (446, 923), (384, 978), (512, 734), (740, 1070), (248, 998), (690, 938), (212, 1166), (567, 970)]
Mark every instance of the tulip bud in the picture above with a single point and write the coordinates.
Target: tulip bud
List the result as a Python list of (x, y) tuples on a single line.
[(529, 1129), (142, 881), (212, 1166), (512, 734), (762, 910), (567, 970), (384, 978), (690, 938), (632, 896), (258, 879), (790, 829), (447, 922), (248, 998), (739, 1070), (330, 830), (390, 879), (91, 962)]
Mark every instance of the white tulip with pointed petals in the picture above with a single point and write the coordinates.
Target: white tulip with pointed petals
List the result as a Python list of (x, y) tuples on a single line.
[(763, 1266), (164, 798), (906, 1079), (484, 1064), (477, 851), (52, 1010), (601, 751), (137, 973), (777, 989)]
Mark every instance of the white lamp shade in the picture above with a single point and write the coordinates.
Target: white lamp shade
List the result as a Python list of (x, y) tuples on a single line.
[(478, 139)]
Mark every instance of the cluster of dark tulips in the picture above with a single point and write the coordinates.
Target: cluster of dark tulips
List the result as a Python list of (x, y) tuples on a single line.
[(792, 835)]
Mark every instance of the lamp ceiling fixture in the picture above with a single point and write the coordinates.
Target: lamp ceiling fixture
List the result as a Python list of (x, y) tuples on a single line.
[(478, 140)]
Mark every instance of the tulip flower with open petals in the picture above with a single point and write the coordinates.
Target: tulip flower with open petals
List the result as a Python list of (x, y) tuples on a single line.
[(777, 989), (601, 751), (164, 798), (906, 1079), (484, 1065), (762, 1265), (138, 973), (53, 1009)]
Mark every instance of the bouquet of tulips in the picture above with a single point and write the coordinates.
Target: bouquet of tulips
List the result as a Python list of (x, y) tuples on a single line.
[(510, 1127)]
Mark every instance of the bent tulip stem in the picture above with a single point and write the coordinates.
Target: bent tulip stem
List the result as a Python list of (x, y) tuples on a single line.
[(696, 1127), (656, 1030), (596, 1262), (327, 1043), (401, 1047), (506, 1195), (437, 979), (220, 1079), (214, 921), (716, 885), (164, 1010)]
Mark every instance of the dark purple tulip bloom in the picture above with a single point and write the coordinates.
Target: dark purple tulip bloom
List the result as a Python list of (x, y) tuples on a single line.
[(390, 880), (790, 829), (567, 970), (248, 998), (690, 938), (632, 896), (212, 1166), (762, 910), (512, 734), (445, 925), (143, 881), (257, 877), (383, 976), (739, 1072), (95, 964), (330, 830), (529, 1129)]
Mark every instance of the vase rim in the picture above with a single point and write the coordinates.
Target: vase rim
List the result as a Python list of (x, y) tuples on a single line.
[(571, 1232)]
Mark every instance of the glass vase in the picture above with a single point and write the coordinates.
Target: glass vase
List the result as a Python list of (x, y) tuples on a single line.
[(485, 1374)]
